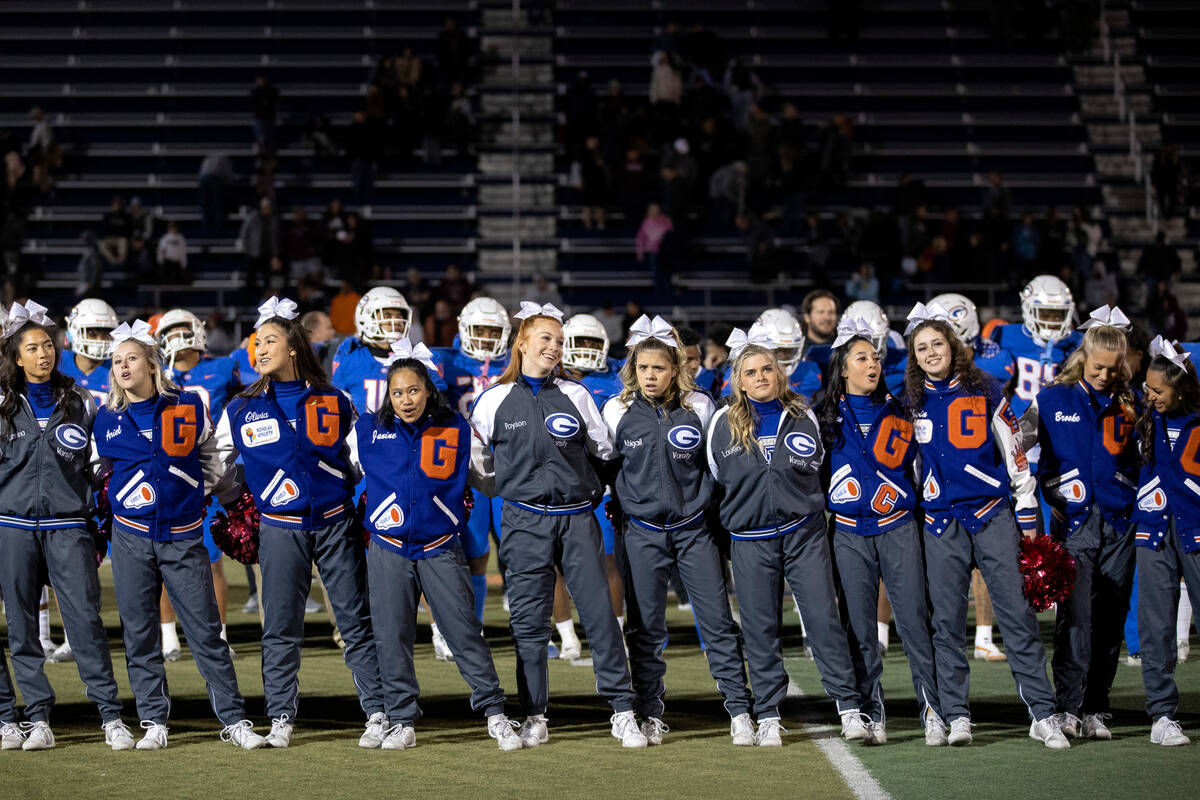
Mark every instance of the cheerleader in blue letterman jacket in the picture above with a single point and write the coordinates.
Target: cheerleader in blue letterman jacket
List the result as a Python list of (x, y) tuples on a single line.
[(290, 428), (972, 463), (159, 442), (415, 453)]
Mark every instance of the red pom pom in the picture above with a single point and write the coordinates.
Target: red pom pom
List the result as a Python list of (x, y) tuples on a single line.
[(237, 533), (1048, 569)]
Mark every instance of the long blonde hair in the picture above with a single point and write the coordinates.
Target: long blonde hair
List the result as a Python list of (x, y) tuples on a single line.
[(681, 385), (741, 415), (1101, 337), (523, 333), (118, 399)]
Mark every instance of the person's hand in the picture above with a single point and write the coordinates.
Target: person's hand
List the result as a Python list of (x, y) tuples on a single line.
[(1029, 530)]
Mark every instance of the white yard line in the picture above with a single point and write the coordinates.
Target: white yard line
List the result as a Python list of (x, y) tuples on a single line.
[(827, 740)]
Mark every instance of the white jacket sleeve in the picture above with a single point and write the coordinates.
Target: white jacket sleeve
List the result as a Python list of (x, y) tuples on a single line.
[(1029, 426), (225, 453), (599, 441), (352, 458), (1007, 433)]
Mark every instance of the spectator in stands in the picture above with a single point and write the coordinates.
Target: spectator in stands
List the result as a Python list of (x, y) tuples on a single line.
[(16, 197), (264, 100), (635, 181), (1100, 289), (300, 245), (259, 240), (667, 40), (116, 227), (607, 316), (341, 309), (579, 104), (220, 340), (666, 87), (141, 221), (914, 232), (318, 326), (716, 353), (1166, 315), (364, 146), (460, 119), (320, 137), (432, 113), (594, 177), (760, 148), (333, 222), (416, 290), (837, 151), (408, 69), (1159, 263), (453, 51), (543, 291), (455, 289), (1169, 177), (441, 326), (172, 255), (42, 152), (1083, 238), (705, 51), (89, 268), (727, 194), (353, 251), (742, 85), (216, 174), (819, 310), (655, 225), (1026, 241), (996, 199), (310, 294), (385, 79), (862, 284), (141, 265)]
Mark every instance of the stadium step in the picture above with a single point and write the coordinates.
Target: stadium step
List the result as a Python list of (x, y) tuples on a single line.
[(527, 227), (1117, 134), (533, 45), (1105, 105), (527, 163), (1089, 76)]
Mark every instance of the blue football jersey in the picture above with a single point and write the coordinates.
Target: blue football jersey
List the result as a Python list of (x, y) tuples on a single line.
[(1036, 362), (247, 372), (467, 376), (604, 383), (358, 373), (97, 382), (994, 360), (895, 364), (819, 354), (214, 379)]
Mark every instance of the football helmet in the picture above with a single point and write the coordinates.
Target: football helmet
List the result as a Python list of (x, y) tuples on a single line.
[(585, 344), (484, 329), (1047, 308), (88, 328), (179, 330), (374, 320), (964, 318), (873, 315), (785, 333)]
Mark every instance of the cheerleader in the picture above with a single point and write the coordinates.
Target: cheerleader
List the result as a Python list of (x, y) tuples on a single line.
[(415, 453), (539, 433), (45, 499), (657, 424), (159, 442), (869, 438), (764, 448), (290, 428), (970, 456), (1167, 534), (1084, 422)]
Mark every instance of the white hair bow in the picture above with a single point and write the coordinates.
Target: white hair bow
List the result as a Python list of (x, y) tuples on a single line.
[(19, 314), (926, 313), (139, 332), (646, 328), (277, 307), (403, 349), (531, 309), (1104, 315), (1168, 350), (738, 340), (847, 329)]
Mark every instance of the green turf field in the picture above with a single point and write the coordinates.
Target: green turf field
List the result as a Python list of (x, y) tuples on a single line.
[(455, 758)]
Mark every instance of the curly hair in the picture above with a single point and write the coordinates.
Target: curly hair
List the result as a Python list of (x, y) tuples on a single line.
[(962, 364), (742, 416), (1183, 381)]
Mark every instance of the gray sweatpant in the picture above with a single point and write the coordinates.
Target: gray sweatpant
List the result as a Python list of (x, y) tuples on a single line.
[(650, 556), (1090, 623), (532, 546), (896, 557), (1159, 572), (286, 557), (141, 567), (948, 560), (70, 559), (760, 567), (396, 585)]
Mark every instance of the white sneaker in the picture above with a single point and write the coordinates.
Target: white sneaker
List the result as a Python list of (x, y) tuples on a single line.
[(281, 732), (935, 730), (768, 733), (854, 726), (1048, 732), (48, 648), (960, 732), (11, 736), (876, 734), (533, 731), (376, 732), (988, 651), (251, 606), (504, 600), (38, 736), (311, 606), (117, 735), (741, 728), (441, 650), (1165, 731), (242, 735), (1183, 649), (62, 654), (625, 728), (653, 729), (571, 650), (172, 654), (1095, 726), (504, 731), (400, 737), (1133, 660), (1069, 724), (155, 738)]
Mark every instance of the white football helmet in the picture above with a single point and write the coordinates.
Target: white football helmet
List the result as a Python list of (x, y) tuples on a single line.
[(88, 326), (1047, 308), (373, 322), (585, 344), (964, 318), (179, 330), (484, 329), (873, 315), (785, 333)]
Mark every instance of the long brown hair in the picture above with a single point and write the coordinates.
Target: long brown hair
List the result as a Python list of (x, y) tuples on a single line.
[(962, 364), (1101, 337), (12, 377), (741, 415), (681, 385), (308, 368), (523, 333), (1183, 381)]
